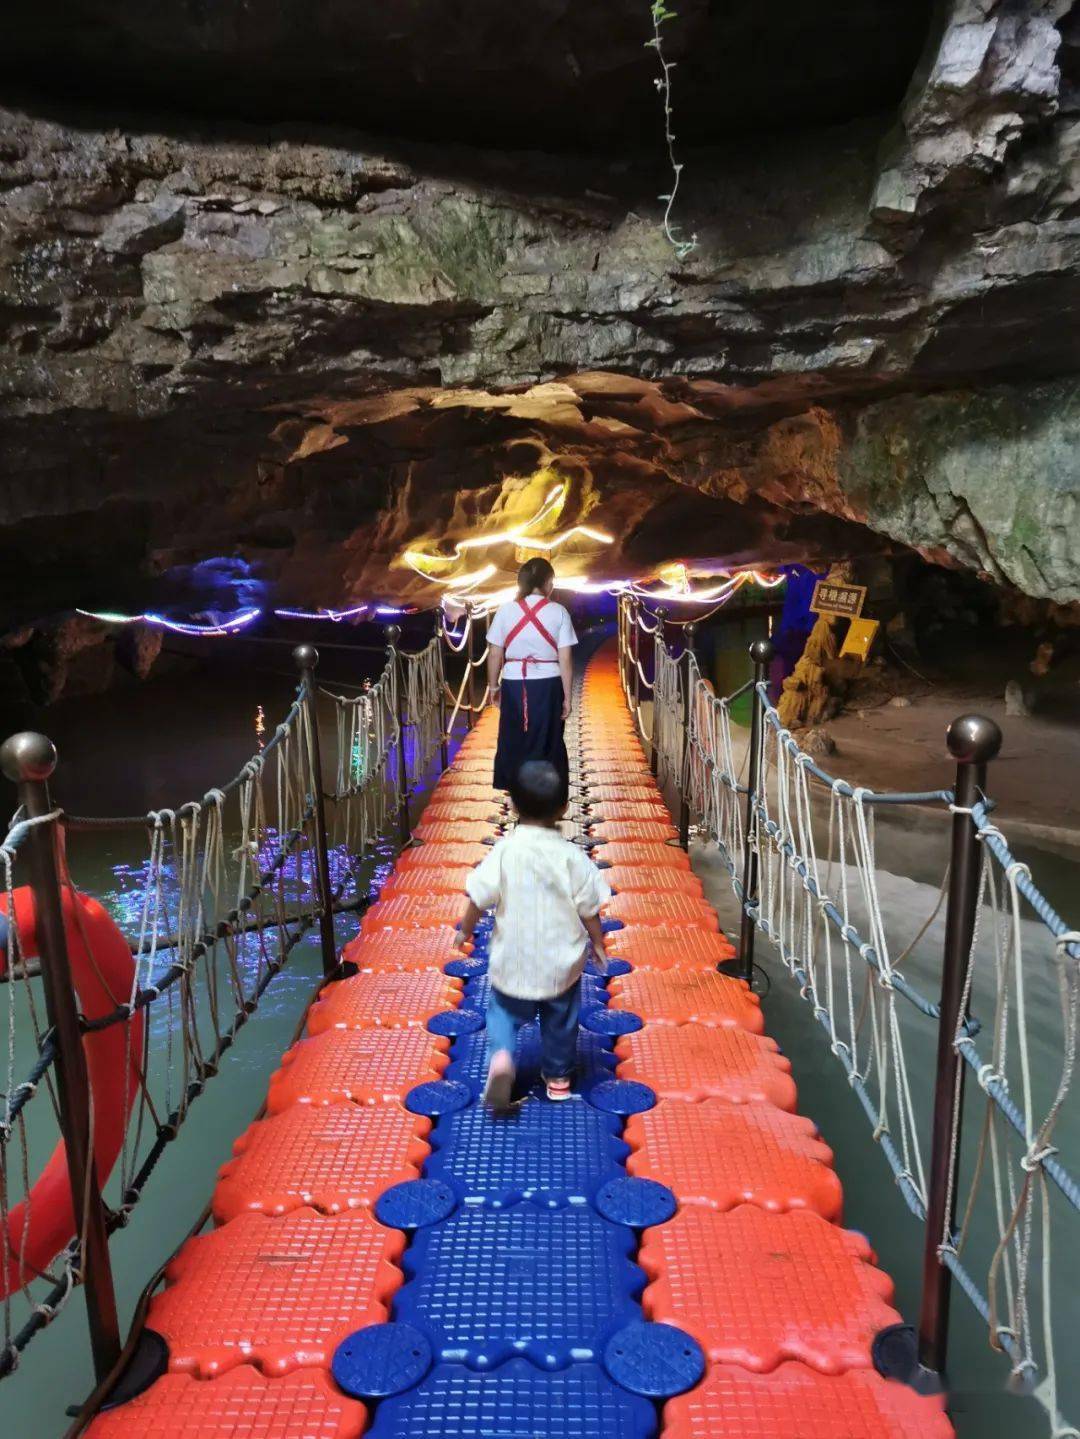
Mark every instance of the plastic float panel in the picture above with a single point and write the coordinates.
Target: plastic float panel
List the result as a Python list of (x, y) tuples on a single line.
[(394, 999), (413, 911), (663, 910), (277, 1293), (631, 809), (516, 1401), (799, 1403), (649, 855), (691, 1061), (655, 947), (657, 830), (616, 767), (755, 1288), (402, 950), (550, 1285), (441, 856), (336, 1158), (639, 879), (458, 810), (453, 832), (243, 1404), (682, 996), (429, 880), (605, 789), (721, 1155), (553, 1152), (362, 1066)]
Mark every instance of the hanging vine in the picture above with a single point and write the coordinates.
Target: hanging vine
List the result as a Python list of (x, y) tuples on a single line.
[(660, 16)]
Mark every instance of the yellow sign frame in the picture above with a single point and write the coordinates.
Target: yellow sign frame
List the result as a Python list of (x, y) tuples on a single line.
[(860, 636)]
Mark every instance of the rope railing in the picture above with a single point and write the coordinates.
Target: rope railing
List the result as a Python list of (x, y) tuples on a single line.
[(228, 887), (801, 848)]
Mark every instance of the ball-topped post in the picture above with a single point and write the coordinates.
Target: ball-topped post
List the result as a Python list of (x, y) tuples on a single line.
[(972, 741), (29, 760), (28, 757), (306, 658), (762, 652), (689, 637), (396, 663)]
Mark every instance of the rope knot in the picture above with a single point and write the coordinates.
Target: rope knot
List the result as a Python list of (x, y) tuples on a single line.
[(1035, 1157)]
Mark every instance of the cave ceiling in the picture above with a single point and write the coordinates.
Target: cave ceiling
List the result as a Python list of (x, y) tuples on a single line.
[(239, 328), (535, 74)]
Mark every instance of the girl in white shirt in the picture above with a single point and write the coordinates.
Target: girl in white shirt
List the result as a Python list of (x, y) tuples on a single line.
[(547, 895), (530, 674)]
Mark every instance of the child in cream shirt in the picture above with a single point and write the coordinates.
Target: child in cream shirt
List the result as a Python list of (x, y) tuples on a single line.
[(547, 895)]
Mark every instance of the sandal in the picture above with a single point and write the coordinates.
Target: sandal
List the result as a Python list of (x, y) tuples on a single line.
[(559, 1088)]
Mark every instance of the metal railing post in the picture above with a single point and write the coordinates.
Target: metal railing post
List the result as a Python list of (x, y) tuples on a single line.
[(635, 657), (659, 641), (306, 658), (689, 633), (973, 742), (467, 688), (29, 759), (481, 668), (761, 653), (444, 742), (393, 640)]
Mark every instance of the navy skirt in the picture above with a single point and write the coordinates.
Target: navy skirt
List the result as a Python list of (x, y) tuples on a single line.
[(544, 737)]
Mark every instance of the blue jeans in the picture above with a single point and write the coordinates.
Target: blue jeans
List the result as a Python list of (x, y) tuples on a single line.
[(558, 1027)]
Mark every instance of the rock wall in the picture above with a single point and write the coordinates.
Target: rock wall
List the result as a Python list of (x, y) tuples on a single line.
[(306, 348)]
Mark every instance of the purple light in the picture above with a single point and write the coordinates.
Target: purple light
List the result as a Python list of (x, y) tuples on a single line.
[(222, 627), (180, 627), (391, 610), (324, 614)]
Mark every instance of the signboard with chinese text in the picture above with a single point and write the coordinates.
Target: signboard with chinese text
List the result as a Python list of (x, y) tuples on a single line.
[(833, 597)]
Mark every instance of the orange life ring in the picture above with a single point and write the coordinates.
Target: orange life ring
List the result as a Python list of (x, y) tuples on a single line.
[(102, 968)]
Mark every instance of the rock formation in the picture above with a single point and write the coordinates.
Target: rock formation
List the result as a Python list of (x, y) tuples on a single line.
[(303, 348)]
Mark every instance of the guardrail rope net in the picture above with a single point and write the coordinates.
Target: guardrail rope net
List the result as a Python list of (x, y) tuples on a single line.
[(819, 903)]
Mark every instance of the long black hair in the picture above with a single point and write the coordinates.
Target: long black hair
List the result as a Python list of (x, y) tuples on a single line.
[(534, 575)]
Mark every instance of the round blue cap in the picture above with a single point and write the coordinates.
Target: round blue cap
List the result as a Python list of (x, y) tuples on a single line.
[(621, 1096), (611, 1021), (380, 1360), (637, 1203), (656, 1360), (456, 1021), (415, 1203), (440, 1096)]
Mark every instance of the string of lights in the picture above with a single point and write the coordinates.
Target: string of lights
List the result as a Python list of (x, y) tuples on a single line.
[(233, 624)]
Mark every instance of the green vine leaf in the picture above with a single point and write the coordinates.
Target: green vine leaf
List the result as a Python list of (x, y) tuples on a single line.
[(681, 244)]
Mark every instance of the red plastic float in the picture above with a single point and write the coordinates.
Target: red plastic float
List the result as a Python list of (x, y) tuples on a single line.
[(720, 1155), (277, 1293), (755, 1288), (358, 1066), (394, 999), (333, 1159), (690, 1061), (243, 1404), (800, 1403), (685, 996)]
